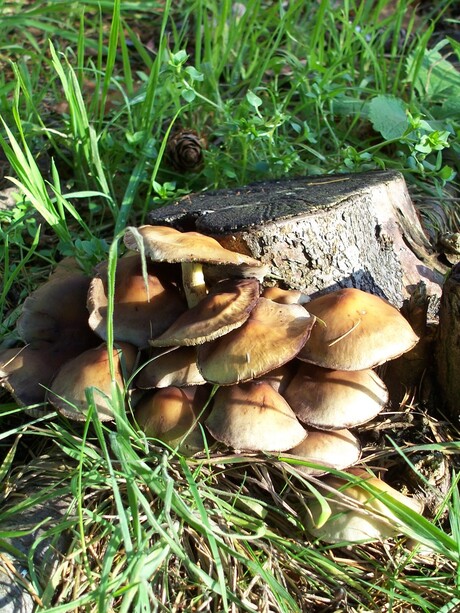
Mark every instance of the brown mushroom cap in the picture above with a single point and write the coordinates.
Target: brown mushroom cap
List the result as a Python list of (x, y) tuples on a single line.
[(254, 417), (226, 307), (56, 311), (171, 416), (367, 519), (177, 368), (339, 449), (335, 399), (27, 372), (279, 378), (285, 296), (273, 335), (213, 273), (140, 311), (164, 244), (54, 323), (91, 370), (361, 331)]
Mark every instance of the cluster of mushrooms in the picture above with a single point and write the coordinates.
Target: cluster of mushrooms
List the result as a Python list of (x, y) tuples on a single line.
[(206, 353)]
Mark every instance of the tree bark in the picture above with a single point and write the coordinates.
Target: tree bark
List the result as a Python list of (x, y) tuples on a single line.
[(318, 234), (448, 343)]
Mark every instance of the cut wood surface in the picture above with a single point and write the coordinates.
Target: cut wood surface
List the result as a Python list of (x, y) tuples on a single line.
[(319, 233)]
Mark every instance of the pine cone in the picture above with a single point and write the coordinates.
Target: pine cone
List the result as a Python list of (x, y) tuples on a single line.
[(185, 150)]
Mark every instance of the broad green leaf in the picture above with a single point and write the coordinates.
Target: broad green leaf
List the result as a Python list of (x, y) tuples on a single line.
[(388, 116), (450, 108), (253, 99), (194, 74), (188, 94), (434, 77)]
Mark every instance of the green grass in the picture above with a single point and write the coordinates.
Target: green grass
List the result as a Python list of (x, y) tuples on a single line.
[(282, 89)]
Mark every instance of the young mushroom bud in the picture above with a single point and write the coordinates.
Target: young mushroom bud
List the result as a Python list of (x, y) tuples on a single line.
[(358, 515)]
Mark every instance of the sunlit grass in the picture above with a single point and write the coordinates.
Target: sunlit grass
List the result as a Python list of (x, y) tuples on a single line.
[(153, 529)]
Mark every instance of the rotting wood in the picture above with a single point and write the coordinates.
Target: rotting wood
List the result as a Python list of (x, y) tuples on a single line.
[(448, 344), (320, 233)]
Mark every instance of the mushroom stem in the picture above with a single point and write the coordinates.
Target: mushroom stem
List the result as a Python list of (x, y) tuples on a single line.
[(193, 282)]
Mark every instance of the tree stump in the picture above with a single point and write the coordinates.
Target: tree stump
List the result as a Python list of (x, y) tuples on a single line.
[(448, 343), (320, 233)]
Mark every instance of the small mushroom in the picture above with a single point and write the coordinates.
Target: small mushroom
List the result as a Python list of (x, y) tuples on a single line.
[(335, 399), (356, 330), (176, 367), (254, 417), (357, 515), (90, 370), (191, 249), (339, 449), (227, 306), (171, 415), (285, 296), (272, 335), (143, 308)]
